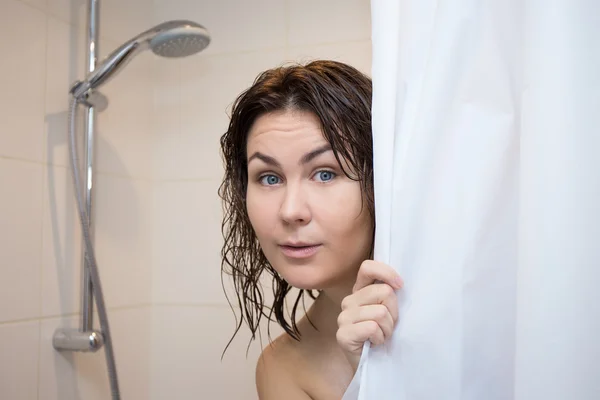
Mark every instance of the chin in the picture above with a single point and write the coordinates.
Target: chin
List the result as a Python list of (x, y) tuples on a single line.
[(308, 277), (319, 272), (306, 284)]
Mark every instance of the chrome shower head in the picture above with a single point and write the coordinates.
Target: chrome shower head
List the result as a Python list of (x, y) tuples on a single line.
[(179, 38)]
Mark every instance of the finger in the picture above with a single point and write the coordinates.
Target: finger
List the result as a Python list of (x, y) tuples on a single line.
[(352, 337), (372, 271), (379, 293), (377, 337), (374, 312)]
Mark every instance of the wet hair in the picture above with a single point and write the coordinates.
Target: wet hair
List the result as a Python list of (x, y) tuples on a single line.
[(340, 96)]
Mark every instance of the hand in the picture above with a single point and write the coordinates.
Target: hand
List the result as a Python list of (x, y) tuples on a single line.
[(371, 311)]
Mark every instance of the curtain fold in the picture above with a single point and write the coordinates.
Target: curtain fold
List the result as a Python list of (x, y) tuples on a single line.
[(486, 129)]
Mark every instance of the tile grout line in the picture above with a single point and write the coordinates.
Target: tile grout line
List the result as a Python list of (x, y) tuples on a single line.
[(35, 7), (43, 210), (355, 41), (116, 175), (74, 314), (189, 180), (286, 11), (195, 305), (55, 165), (121, 308)]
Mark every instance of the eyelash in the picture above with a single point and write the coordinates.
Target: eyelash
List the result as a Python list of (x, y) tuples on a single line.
[(263, 176)]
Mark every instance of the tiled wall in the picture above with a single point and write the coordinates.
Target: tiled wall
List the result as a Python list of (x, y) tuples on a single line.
[(157, 216), (43, 52)]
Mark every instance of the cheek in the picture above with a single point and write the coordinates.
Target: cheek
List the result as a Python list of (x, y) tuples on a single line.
[(259, 212), (341, 204), (345, 216)]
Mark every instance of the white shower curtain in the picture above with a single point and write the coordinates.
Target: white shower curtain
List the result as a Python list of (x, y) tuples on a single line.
[(486, 123)]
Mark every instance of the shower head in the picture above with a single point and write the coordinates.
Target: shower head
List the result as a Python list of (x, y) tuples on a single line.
[(179, 38)]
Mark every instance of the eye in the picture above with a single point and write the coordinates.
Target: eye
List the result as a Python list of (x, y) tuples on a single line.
[(269, 180), (325, 176)]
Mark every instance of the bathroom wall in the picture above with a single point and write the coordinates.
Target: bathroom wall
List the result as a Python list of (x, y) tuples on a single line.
[(157, 215), (43, 52)]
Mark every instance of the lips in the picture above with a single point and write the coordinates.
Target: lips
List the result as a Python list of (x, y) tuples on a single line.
[(299, 250)]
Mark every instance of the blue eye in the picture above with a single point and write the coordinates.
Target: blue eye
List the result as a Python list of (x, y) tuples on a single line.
[(325, 176), (269, 180)]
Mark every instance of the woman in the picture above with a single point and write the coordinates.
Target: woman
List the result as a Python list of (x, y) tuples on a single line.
[(298, 195)]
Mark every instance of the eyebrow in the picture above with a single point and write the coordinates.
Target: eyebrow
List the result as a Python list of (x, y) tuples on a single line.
[(308, 157)]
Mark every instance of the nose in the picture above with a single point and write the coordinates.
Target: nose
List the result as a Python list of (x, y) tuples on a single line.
[(294, 208)]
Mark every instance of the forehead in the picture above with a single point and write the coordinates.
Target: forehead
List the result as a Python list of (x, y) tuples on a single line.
[(285, 128)]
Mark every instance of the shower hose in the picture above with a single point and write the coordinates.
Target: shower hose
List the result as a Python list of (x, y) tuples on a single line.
[(90, 256)]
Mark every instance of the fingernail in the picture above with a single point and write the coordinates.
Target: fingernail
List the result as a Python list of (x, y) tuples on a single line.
[(399, 282)]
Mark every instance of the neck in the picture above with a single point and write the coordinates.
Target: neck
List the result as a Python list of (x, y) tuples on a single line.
[(326, 308)]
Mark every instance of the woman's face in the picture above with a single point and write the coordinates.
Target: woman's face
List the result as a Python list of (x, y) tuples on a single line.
[(308, 216)]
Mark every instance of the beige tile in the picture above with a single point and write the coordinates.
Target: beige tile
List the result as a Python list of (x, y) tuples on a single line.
[(132, 335), (123, 239), (187, 243), (328, 21), (39, 4), (166, 82), (121, 224), (124, 130), (120, 20), (357, 54), (20, 239), (65, 64), (22, 78), (193, 339), (234, 25), (167, 116), (73, 12), (62, 253), (19, 345)]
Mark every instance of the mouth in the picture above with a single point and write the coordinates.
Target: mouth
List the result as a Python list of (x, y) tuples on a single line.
[(299, 250)]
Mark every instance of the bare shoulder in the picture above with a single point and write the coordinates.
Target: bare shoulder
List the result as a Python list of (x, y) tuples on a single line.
[(278, 371)]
